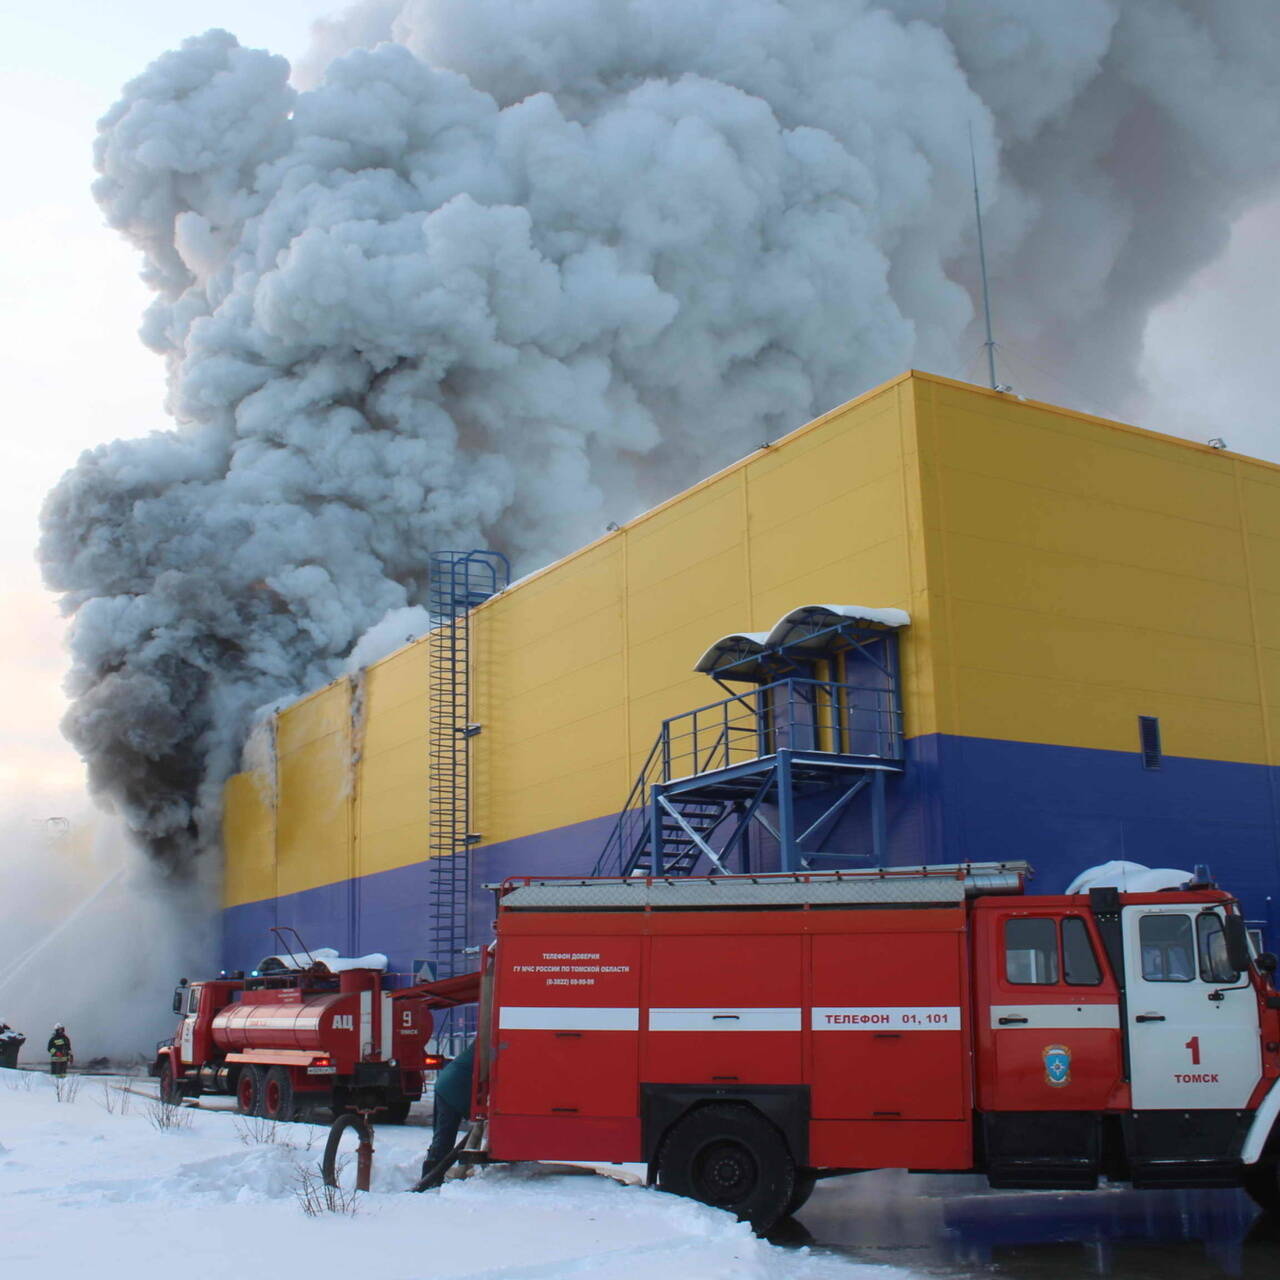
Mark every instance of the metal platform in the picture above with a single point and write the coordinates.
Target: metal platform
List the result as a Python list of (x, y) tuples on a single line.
[(738, 772)]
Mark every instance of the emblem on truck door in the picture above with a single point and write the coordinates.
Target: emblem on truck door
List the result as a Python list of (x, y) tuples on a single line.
[(1057, 1065)]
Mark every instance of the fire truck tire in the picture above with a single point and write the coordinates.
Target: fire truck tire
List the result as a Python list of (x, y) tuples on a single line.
[(395, 1112), (277, 1096), (1262, 1182), (806, 1180), (731, 1157), (249, 1090), (170, 1090)]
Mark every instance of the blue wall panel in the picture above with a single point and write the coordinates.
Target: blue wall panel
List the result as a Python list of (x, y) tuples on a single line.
[(959, 800)]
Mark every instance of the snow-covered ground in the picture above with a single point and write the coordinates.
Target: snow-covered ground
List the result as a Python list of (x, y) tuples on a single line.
[(89, 1186)]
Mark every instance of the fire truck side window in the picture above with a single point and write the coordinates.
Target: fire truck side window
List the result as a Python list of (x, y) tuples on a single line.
[(1168, 953), (1031, 951), (1080, 965), (1211, 939)]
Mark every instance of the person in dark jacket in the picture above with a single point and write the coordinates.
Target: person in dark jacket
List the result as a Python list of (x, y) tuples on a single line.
[(59, 1050), (10, 1042), (453, 1104)]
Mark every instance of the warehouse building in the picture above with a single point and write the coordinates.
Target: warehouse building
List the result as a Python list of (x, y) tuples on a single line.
[(938, 624)]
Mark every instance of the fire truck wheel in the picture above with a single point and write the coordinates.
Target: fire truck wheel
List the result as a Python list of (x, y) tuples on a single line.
[(730, 1157), (249, 1090), (170, 1090), (394, 1112), (1262, 1182), (277, 1096), (806, 1180)]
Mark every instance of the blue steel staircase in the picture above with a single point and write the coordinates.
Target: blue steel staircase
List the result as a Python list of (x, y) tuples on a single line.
[(756, 762)]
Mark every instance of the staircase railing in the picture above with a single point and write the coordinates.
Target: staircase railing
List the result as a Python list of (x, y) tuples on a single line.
[(804, 715), (632, 826)]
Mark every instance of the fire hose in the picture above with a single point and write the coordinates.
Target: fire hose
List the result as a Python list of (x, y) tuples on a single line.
[(359, 1121)]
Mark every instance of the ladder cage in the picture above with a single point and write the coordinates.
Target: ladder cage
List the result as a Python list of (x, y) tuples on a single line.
[(459, 581)]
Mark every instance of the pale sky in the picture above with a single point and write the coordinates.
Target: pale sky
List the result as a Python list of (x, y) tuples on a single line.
[(75, 374), (72, 368)]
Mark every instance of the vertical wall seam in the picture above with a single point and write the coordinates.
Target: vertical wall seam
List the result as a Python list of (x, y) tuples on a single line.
[(1264, 709), (744, 487), (628, 745)]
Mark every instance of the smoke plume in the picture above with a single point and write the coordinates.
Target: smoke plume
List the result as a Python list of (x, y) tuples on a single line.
[(502, 272)]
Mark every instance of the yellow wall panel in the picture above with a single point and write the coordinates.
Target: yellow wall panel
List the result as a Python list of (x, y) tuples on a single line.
[(1081, 574), (1030, 445), (248, 829), (1078, 525), (986, 571), (1105, 718), (314, 837)]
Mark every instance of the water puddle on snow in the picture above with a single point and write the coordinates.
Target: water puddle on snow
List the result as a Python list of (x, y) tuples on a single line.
[(957, 1226)]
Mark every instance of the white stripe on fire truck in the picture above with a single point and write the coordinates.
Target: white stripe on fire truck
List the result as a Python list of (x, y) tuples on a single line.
[(387, 1015), (720, 1019), (1055, 1017), (563, 1018), (897, 1018)]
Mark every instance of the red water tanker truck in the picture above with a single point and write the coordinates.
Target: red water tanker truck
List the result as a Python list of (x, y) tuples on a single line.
[(301, 1035)]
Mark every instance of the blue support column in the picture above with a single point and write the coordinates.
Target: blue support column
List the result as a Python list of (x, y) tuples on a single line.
[(879, 834), (786, 813), (655, 831)]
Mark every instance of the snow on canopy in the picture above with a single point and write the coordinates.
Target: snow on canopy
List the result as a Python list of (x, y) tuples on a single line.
[(795, 629), (495, 274)]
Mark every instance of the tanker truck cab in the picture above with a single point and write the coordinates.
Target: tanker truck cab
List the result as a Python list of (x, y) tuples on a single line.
[(799, 1026), (186, 1003)]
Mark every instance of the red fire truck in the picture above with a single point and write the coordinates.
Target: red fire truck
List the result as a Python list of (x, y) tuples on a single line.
[(746, 1035), (303, 1033)]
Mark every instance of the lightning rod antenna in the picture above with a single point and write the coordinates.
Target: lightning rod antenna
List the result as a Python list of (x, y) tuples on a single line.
[(990, 343)]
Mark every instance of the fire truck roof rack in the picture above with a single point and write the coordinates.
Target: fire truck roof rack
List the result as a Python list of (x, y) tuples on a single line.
[(890, 886)]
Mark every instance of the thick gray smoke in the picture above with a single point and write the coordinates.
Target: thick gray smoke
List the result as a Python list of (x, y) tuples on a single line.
[(510, 269)]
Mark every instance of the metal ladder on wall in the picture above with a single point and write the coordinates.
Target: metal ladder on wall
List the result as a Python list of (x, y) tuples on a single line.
[(460, 580)]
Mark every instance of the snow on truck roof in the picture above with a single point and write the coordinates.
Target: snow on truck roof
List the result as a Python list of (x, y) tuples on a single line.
[(326, 956), (907, 886)]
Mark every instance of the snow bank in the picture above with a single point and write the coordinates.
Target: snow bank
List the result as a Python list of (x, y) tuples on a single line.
[(106, 1194)]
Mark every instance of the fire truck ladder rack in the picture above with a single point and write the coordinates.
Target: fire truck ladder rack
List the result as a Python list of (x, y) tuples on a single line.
[(786, 760), (460, 580), (916, 886)]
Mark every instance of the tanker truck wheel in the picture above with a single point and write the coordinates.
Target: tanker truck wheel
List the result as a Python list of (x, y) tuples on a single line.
[(396, 1112), (170, 1090), (277, 1096), (731, 1157), (249, 1090)]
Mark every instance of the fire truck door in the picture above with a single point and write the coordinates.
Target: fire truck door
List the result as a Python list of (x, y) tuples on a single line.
[(187, 1039), (1192, 1021)]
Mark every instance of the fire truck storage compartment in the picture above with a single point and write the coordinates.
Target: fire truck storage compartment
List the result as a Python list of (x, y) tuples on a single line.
[(848, 994)]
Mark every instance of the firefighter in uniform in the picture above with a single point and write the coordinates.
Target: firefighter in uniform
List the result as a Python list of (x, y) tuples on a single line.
[(453, 1102), (59, 1050)]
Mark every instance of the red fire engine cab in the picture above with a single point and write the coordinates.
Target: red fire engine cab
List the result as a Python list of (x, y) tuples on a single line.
[(746, 1035), (303, 1034)]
